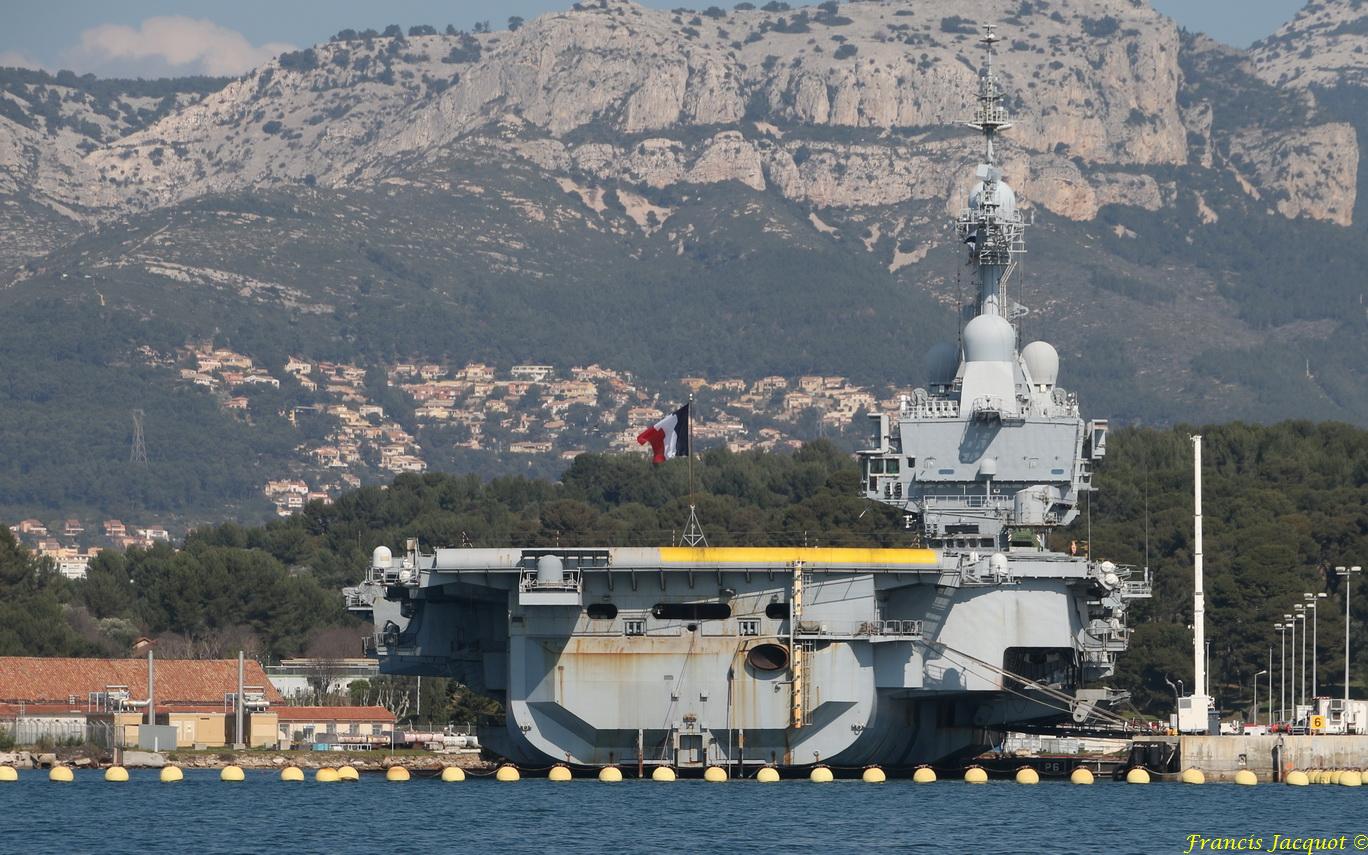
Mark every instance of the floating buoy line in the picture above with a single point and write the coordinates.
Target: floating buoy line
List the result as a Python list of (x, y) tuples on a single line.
[(820, 774)]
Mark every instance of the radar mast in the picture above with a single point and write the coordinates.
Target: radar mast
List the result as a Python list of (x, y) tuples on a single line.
[(991, 225)]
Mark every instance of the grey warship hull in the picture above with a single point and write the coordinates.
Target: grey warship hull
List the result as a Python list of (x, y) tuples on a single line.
[(693, 656)]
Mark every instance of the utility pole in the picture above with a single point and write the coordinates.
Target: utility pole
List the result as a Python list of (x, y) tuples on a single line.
[(137, 454)]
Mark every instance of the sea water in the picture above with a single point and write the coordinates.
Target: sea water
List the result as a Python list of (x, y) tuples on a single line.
[(204, 815)]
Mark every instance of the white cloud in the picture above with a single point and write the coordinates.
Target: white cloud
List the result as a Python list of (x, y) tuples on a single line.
[(17, 58), (184, 44)]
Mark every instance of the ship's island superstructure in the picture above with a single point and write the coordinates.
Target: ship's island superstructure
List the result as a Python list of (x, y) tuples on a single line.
[(737, 656)]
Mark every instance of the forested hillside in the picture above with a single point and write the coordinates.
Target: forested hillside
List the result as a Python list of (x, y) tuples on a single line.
[(775, 179), (1283, 504)]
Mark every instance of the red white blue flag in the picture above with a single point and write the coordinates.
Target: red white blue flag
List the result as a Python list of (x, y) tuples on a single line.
[(669, 437)]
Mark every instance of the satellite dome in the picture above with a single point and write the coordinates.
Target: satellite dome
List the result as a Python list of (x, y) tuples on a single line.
[(1042, 361), (1004, 194), (942, 363), (381, 557), (989, 338)]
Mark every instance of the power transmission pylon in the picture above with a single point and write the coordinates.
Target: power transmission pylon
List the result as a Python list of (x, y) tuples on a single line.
[(138, 453)]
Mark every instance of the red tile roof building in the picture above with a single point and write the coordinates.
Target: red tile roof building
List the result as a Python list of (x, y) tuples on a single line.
[(180, 683)]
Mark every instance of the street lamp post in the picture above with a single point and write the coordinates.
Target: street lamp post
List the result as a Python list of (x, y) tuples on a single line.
[(1270, 684), (1292, 683), (1315, 619), (1348, 574), (1301, 616), (1282, 671), (1256, 696)]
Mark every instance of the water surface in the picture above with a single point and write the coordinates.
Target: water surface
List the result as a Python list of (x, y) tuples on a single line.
[(202, 814)]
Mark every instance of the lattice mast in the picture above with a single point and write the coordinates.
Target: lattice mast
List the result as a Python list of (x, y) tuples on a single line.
[(137, 453), (991, 225)]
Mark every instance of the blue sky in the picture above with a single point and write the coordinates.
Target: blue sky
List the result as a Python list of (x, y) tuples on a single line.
[(158, 37)]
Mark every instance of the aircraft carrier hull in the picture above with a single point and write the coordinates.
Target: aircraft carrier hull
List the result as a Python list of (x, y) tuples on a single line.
[(697, 657)]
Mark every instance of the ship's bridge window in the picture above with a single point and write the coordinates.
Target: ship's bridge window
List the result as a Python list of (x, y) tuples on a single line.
[(892, 466), (876, 466), (691, 611)]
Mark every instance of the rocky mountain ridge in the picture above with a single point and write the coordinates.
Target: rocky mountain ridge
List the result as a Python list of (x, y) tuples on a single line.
[(722, 193), (655, 98)]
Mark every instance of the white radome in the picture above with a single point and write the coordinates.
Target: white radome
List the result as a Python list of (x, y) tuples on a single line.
[(989, 338), (381, 557), (1006, 198), (1042, 361)]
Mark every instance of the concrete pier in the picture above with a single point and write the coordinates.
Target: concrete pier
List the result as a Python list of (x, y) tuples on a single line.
[(1270, 757)]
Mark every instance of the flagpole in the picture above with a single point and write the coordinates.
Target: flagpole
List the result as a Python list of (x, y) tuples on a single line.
[(692, 416), (693, 531)]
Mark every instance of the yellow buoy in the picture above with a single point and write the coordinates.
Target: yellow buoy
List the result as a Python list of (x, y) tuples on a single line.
[(1246, 778), (924, 775), (349, 773), (874, 775), (975, 775), (455, 773), (61, 774), (116, 774), (1318, 776), (1192, 775), (610, 774), (1081, 776), (1296, 778), (232, 773), (715, 775), (396, 773), (292, 773), (326, 775), (821, 775), (1335, 777), (559, 773), (1027, 775), (1137, 776), (767, 775), (8, 773), (662, 773), (171, 774), (1351, 778), (507, 772)]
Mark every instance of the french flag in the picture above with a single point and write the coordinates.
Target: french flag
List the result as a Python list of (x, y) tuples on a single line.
[(669, 437)]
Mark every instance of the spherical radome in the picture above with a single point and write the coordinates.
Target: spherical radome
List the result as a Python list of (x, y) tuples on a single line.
[(989, 338), (1004, 194), (942, 363), (1042, 361)]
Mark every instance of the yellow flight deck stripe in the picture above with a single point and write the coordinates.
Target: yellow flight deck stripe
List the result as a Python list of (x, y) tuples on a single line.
[(789, 554)]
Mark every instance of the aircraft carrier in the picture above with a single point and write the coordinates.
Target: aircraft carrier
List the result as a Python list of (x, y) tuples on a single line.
[(691, 656)]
